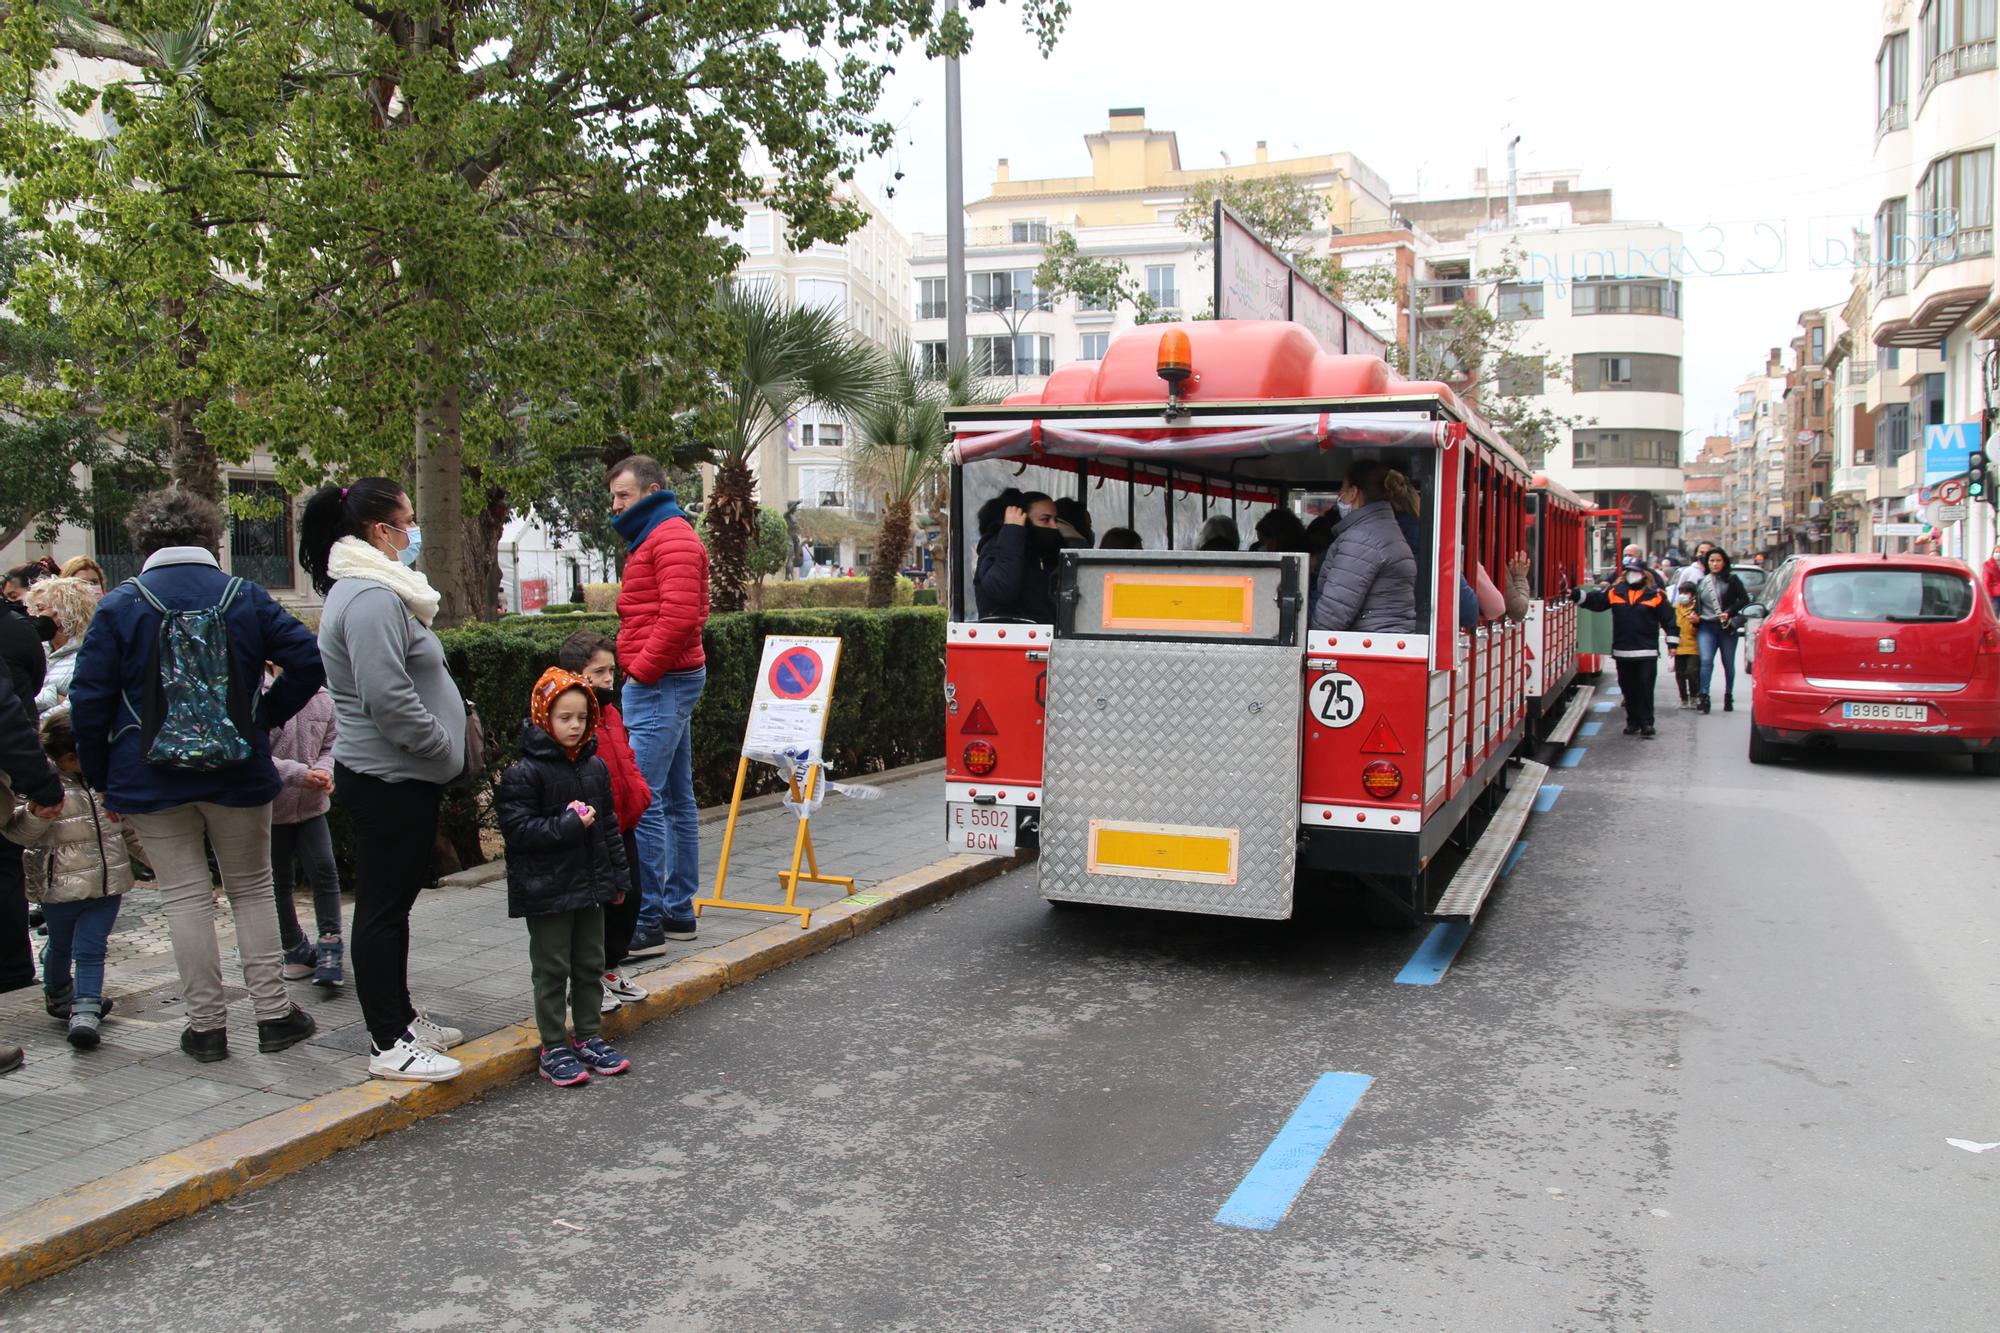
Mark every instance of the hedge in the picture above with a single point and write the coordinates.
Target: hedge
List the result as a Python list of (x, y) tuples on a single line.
[(827, 592), (888, 704)]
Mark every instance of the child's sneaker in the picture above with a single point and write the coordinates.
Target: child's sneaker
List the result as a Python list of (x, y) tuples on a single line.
[(84, 1021), (617, 984), (599, 1055), (327, 970), (412, 1062), (300, 960), (561, 1067), (611, 1003)]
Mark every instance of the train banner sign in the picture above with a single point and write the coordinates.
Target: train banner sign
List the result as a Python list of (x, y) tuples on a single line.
[(1253, 281)]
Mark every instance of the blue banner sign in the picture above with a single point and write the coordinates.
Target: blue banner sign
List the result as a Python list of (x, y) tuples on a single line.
[(1948, 450)]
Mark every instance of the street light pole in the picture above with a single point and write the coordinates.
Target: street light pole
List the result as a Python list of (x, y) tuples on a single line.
[(954, 212)]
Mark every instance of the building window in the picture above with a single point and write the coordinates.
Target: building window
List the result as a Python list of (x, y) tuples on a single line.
[(1004, 290), (1027, 354), (1892, 84), (1520, 300), (1520, 376), (1626, 296), (1816, 342), (823, 487), (1160, 286), (1642, 372), (1892, 432), (1892, 358), (1958, 38), (829, 294), (1955, 208), (1819, 399), (930, 298), (755, 234), (1095, 345), (1625, 448), (1028, 233), (260, 548), (931, 358)]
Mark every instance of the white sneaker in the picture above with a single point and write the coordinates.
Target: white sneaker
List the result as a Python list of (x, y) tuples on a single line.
[(413, 1062), (616, 984), (434, 1035), (610, 1002)]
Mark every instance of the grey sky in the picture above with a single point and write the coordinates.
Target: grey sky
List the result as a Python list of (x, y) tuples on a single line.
[(1756, 117)]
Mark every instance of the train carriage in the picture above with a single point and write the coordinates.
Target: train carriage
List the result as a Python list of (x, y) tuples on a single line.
[(1179, 736), (1558, 546)]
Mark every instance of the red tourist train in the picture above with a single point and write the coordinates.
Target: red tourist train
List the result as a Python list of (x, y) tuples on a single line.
[(1176, 735)]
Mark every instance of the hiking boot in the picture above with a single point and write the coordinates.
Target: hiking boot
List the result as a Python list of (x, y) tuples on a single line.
[(85, 1018), (206, 1044), (327, 969), (300, 960), (275, 1034), (560, 1066), (600, 1057)]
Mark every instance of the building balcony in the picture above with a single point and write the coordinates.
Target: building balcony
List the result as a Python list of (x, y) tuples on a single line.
[(1957, 281), (1893, 118), (1860, 372), (1970, 58)]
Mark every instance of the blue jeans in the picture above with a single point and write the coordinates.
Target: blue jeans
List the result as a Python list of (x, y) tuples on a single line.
[(658, 719), (1709, 636), (81, 932)]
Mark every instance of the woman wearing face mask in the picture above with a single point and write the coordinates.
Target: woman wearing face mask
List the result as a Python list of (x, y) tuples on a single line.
[(1369, 579), (1015, 575), (401, 738), (1641, 615)]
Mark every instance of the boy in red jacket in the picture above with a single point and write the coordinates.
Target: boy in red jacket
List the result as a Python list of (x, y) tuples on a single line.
[(590, 655)]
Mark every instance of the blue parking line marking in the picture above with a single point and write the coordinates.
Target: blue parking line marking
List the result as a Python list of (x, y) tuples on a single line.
[(1572, 757), (1545, 799), (1432, 959), (1513, 859), (1614, 692), (1267, 1192), (1604, 707), (1590, 729)]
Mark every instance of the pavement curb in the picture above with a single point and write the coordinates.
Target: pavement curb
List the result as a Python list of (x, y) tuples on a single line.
[(61, 1232)]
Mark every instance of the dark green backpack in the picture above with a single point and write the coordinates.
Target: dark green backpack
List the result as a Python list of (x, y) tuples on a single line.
[(197, 713)]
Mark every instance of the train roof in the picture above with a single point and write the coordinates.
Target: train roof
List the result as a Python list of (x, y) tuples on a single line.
[(1542, 482), (1258, 389)]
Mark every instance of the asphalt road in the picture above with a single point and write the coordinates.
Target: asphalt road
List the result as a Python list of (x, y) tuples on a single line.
[(1694, 1069)]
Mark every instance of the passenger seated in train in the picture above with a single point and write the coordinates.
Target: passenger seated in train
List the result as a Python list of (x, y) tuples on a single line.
[(1219, 534), (1370, 577), (1281, 530), (1073, 522), (1121, 539), (1319, 537), (1018, 547)]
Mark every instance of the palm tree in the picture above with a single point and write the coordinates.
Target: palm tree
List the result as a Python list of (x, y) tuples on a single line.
[(790, 357), (900, 451)]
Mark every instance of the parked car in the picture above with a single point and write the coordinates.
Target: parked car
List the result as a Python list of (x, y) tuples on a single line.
[(1755, 579), (1896, 653)]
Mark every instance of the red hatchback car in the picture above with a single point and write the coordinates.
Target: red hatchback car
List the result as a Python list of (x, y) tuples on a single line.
[(1868, 652)]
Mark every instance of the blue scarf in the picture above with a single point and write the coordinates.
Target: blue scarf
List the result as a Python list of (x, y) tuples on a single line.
[(637, 523)]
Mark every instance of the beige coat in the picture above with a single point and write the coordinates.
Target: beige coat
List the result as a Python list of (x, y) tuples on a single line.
[(89, 856)]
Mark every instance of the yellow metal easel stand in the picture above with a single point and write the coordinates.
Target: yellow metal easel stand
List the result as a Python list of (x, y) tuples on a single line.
[(802, 849)]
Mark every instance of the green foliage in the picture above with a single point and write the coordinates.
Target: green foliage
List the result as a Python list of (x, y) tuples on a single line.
[(1282, 209), (888, 704), (771, 552), (1103, 283), (821, 593)]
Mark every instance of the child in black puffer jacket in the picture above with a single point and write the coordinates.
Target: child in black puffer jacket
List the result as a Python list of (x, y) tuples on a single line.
[(565, 865)]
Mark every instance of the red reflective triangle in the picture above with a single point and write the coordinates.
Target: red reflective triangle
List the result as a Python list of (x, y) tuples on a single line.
[(1381, 740), (1531, 652), (979, 722)]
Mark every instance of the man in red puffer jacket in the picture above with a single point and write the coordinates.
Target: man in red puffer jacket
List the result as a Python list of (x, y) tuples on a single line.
[(662, 607)]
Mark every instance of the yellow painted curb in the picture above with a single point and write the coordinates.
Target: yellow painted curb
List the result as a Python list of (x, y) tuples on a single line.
[(59, 1233)]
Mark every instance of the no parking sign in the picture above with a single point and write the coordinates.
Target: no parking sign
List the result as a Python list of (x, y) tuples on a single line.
[(794, 693)]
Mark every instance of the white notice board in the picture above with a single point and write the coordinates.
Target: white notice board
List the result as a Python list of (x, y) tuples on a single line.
[(794, 694)]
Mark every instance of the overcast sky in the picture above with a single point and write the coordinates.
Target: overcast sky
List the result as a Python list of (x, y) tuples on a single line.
[(1741, 121)]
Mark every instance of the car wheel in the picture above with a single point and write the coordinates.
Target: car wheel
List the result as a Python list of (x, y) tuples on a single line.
[(1987, 765), (1769, 752)]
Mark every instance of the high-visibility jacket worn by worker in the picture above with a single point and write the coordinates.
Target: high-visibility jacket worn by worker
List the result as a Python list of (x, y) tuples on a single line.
[(1639, 616)]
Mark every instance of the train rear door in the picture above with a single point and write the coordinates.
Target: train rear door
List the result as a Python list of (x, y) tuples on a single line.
[(1171, 768)]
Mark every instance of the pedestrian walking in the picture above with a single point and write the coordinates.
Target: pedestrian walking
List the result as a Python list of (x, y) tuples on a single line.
[(565, 865), (87, 852), (171, 729), (68, 603), (1690, 573), (1719, 601), (302, 750), (1687, 648), (1640, 615), (25, 771), (590, 655), (1989, 574), (400, 725), (662, 608)]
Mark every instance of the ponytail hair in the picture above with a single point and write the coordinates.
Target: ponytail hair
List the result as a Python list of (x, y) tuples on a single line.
[(1369, 478), (333, 512), (1403, 497)]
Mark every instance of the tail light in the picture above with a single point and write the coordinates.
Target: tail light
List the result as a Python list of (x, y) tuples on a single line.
[(981, 758), (1784, 633), (1381, 779), (1989, 642)]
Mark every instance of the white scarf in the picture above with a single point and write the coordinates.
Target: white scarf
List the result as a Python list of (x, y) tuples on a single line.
[(352, 558)]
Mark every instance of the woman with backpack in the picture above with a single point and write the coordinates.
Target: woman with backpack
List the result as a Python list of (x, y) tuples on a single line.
[(170, 728), (401, 725)]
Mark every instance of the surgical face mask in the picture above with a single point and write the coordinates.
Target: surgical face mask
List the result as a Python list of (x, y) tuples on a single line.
[(1343, 507), (1635, 578), (414, 535)]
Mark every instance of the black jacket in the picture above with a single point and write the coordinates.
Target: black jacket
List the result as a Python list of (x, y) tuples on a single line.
[(21, 652), (22, 764), (554, 863), (1010, 581), (1639, 616)]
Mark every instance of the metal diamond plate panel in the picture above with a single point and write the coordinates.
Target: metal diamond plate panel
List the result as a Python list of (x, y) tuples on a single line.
[(1196, 735)]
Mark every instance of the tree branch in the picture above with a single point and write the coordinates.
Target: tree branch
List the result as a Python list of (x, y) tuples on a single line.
[(92, 44)]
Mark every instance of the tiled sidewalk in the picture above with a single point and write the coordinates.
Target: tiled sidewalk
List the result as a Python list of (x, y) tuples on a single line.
[(68, 1117)]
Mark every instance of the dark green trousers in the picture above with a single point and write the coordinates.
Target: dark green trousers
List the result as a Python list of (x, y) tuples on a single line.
[(566, 955)]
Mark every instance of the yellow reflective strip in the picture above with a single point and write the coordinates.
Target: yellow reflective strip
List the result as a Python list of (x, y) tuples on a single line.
[(1136, 850), (1154, 601)]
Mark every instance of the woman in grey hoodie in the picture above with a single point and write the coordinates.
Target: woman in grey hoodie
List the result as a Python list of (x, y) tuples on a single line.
[(401, 725)]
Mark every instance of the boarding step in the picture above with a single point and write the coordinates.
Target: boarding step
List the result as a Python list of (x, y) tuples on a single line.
[(1579, 704), (1466, 893)]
